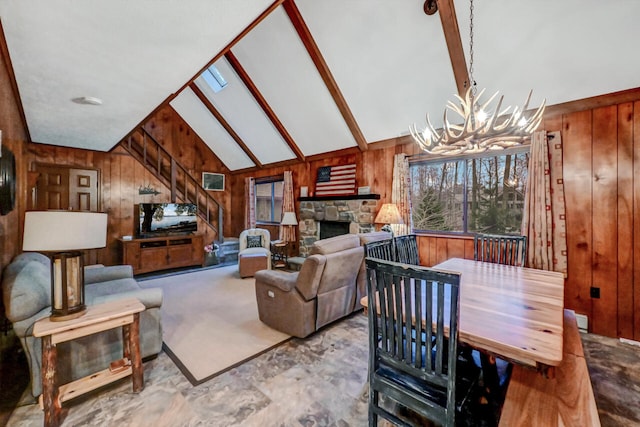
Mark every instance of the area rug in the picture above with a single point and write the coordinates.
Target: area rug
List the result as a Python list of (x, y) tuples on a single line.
[(210, 321)]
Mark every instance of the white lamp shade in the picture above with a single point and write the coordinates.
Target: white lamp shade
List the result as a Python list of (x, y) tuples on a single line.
[(57, 231), (289, 218)]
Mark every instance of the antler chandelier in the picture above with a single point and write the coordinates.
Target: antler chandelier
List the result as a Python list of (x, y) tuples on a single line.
[(479, 131)]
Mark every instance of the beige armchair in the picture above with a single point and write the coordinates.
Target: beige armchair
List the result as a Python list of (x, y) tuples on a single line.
[(254, 251), (324, 290)]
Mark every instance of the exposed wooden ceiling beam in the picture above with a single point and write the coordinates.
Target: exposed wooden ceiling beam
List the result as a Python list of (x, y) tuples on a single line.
[(244, 76), (224, 123), (454, 43), (316, 56), (228, 47)]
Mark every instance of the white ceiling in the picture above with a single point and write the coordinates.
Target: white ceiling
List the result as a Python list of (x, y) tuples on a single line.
[(389, 60)]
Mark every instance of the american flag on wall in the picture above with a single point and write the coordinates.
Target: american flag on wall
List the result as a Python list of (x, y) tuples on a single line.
[(336, 181)]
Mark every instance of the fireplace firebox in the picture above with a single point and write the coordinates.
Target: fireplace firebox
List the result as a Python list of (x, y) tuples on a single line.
[(320, 218), (333, 228)]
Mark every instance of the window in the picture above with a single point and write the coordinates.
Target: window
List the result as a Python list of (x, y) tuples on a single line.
[(269, 200), (214, 79), (470, 195)]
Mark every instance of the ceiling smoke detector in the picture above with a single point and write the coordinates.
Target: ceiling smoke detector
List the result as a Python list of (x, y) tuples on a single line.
[(87, 100)]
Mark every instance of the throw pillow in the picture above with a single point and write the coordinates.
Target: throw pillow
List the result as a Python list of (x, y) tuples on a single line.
[(254, 241)]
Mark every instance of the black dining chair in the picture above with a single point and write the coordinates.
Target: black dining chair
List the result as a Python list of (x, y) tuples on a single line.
[(500, 249), (381, 249), (406, 249), (412, 374), (507, 250)]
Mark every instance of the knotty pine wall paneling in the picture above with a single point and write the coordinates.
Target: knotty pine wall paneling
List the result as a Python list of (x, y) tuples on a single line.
[(605, 219), (374, 169), (577, 167), (434, 249), (636, 222), (15, 138), (625, 220), (121, 176), (601, 156)]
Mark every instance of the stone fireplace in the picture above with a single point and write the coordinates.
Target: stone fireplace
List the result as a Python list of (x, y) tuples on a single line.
[(330, 217)]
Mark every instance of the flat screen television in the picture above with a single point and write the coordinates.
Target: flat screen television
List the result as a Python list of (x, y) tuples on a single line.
[(162, 219)]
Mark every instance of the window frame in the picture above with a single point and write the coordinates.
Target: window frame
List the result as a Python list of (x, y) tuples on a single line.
[(424, 158)]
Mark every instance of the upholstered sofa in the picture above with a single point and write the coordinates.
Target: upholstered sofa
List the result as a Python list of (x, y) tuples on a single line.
[(324, 290), (26, 289)]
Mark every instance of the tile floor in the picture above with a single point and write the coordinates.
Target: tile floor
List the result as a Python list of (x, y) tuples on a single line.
[(319, 381)]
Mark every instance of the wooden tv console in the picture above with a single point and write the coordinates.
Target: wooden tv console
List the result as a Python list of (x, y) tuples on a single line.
[(161, 253)]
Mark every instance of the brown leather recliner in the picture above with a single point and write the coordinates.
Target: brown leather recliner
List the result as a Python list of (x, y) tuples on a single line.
[(324, 290)]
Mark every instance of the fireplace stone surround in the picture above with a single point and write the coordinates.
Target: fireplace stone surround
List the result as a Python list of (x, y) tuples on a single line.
[(358, 211)]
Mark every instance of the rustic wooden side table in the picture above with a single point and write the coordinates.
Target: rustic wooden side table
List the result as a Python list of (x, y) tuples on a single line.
[(279, 253), (123, 313)]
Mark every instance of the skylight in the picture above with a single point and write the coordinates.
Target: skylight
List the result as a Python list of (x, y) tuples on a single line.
[(214, 79)]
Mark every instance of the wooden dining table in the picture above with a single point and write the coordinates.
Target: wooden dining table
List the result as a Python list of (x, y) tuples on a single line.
[(512, 312)]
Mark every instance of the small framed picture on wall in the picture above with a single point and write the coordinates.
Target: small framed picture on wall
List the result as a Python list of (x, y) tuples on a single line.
[(213, 181)]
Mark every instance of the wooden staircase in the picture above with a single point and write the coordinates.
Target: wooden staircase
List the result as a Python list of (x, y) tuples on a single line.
[(144, 148)]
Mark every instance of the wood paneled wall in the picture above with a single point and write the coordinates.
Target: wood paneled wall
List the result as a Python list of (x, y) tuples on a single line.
[(121, 176), (374, 169), (14, 137), (601, 158)]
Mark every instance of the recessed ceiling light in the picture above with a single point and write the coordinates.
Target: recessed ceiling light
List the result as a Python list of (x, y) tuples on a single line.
[(88, 100)]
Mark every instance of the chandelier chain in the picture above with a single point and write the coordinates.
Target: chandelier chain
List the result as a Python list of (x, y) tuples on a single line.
[(472, 82)]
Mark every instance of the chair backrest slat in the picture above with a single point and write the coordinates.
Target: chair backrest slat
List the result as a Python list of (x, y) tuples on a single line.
[(407, 249), (403, 249), (509, 250), (381, 249)]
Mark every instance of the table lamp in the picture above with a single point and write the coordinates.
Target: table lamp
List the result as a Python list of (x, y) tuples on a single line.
[(289, 218), (62, 235), (388, 214)]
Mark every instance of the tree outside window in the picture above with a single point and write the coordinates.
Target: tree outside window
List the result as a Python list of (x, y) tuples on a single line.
[(269, 201), (470, 195)]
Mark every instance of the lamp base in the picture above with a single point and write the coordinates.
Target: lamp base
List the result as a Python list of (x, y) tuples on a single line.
[(56, 317), (67, 286)]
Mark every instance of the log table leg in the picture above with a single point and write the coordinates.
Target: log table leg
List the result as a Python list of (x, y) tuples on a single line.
[(491, 378), (101, 317), (126, 342), (51, 402), (134, 348)]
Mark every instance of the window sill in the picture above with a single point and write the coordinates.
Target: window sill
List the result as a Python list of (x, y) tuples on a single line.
[(444, 235)]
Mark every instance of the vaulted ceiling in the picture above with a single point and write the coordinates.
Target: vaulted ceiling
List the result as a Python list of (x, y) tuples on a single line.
[(304, 77)]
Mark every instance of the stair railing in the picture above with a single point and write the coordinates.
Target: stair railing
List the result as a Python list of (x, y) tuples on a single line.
[(144, 148)]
